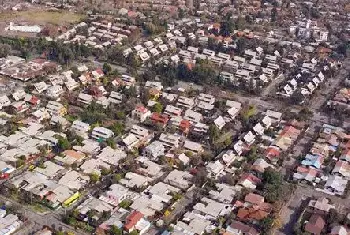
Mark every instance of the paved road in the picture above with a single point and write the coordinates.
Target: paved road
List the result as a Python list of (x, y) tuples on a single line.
[(181, 205), (37, 220)]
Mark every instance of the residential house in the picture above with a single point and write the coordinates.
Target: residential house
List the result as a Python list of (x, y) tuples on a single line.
[(154, 150), (179, 179), (315, 225), (240, 228), (81, 128), (249, 181), (140, 113), (56, 109), (159, 119), (101, 133)]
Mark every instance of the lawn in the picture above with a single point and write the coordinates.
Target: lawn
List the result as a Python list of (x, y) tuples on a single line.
[(42, 17)]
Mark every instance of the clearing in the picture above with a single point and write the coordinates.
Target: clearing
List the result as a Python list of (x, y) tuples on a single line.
[(41, 17)]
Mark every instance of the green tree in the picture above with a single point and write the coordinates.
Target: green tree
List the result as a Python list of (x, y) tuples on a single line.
[(4, 50), (266, 225), (274, 14), (117, 177), (106, 68), (63, 143), (134, 232), (272, 185), (118, 128), (94, 177), (241, 45), (125, 204), (111, 143), (114, 230), (158, 107), (214, 133)]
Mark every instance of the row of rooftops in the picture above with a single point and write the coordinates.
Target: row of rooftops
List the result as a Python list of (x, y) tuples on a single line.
[(311, 168)]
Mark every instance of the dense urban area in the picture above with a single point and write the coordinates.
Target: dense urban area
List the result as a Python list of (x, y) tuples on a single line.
[(175, 117)]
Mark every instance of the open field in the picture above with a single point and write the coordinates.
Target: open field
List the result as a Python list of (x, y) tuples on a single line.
[(41, 17)]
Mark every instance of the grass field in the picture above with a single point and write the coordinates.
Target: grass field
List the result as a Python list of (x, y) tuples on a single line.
[(42, 17)]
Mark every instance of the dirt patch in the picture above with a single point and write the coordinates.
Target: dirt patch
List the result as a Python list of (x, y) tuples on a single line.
[(41, 17)]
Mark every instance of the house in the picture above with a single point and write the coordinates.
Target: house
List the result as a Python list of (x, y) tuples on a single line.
[(193, 146), (140, 113), (170, 141), (179, 179), (313, 161), (101, 133), (215, 169), (116, 194), (303, 173), (136, 221), (192, 224), (336, 184), (185, 102), (205, 102), (315, 225), (154, 150), (163, 192), (321, 205), (70, 157), (249, 138), (115, 98), (193, 116), (40, 87), (4, 101), (275, 116), (19, 94), (342, 168), (181, 124), (219, 122), (211, 209), (85, 98), (54, 91), (172, 110), (81, 128), (56, 109), (273, 154), (260, 165), (240, 228), (339, 230), (160, 119), (132, 180), (224, 193), (249, 181)]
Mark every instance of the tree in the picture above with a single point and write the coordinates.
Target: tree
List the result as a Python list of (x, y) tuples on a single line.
[(241, 45), (4, 50), (94, 177), (118, 128), (266, 225), (111, 143), (134, 232), (63, 143), (272, 185), (125, 204), (120, 115), (117, 177), (157, 108), (214, 133), (274, 14), (106, 68), (114, 230)]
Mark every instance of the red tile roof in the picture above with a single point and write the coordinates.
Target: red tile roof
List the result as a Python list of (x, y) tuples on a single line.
[(132, 220)]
